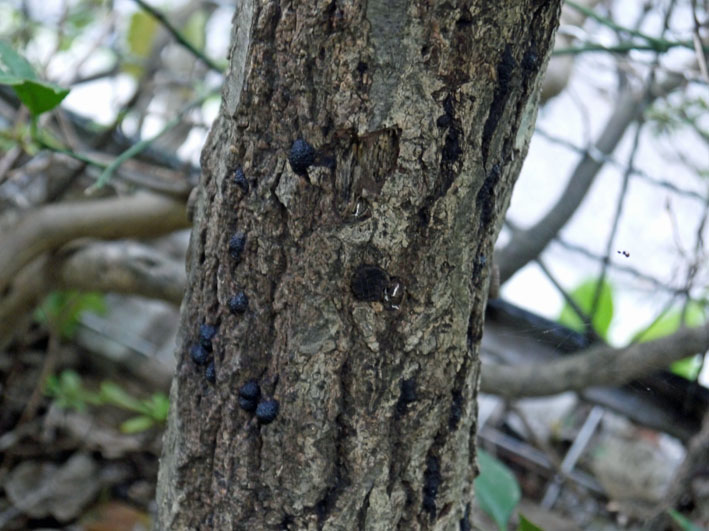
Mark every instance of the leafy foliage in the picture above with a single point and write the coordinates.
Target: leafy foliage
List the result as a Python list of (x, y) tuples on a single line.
[(526, 525), (496, 489), (141, 34), (69, 392), (583, 295), (15, 71), (61, 310)]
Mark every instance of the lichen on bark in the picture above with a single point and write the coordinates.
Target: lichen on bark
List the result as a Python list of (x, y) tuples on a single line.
[(417, 148)]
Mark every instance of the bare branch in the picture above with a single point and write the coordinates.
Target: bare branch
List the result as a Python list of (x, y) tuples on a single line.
[(49, 227), (597, 366), (526, 245), (119, 267)]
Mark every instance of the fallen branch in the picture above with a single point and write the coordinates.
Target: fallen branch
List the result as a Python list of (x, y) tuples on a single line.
[(119, 267), (50, 227), (599, 366)]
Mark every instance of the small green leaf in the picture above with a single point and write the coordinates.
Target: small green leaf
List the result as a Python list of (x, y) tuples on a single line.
[(137, 424), (37, 95), (141, 34), (526, 525), (14, 63), (68, 391), (40, 97), (683, 522), (583, 296), (194, 29), (669, 323), (159, 406), (496, 488), (114, 394), (62, 310)]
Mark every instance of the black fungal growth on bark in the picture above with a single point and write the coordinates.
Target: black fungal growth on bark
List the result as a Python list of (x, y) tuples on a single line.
[(505, 70), (456, 410), (407, 395), (301, 156), (237, 244), (267, 411), (240, 180), (199, 354), (210, 373), (206, 334), (485, 199), (239, 303), (249, 394), (431, 482), (369, 283)]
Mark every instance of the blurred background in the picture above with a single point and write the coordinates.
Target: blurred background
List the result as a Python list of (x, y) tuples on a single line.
[(104, 107)]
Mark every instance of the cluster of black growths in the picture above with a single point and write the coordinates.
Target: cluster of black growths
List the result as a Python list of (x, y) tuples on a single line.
[(250, 400), (201, 351)]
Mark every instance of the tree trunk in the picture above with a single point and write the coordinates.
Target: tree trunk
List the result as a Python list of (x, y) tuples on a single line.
[(365, 273)]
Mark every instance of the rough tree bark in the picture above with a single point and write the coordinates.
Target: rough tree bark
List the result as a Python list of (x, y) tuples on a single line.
[(420, 113)]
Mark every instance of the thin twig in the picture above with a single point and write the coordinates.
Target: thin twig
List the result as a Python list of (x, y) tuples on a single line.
[(160, 17), (142, 145)]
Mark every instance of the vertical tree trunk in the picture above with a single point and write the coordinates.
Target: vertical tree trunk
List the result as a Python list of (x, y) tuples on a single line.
[(420, 114)]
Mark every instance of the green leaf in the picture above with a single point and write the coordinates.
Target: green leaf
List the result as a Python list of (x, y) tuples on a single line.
[(68, 391), (496, 488), (37, 95), (669, 323), (194, 29), (583, 296), (141, 34), (114, 394), (61, 310), (14, 63), (40, 97), (683, 522), (526, 525), (137, 424), (159, 406)]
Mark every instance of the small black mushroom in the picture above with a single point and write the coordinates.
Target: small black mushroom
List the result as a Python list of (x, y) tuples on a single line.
[(247, 404), (206, 334), (237, 244), (301, 156), (210, 373), (267, 410), (369, 283), (239, 303), (250, 390), (249, 394), (240, 180), (199, 354)]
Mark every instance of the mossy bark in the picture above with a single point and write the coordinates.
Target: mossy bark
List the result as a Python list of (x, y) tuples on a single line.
[(420, 113)]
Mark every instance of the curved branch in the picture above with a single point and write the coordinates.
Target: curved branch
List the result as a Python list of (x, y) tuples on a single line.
[(119, 267), (527, 244), (122, 267), (601, 366), (50, 227)]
